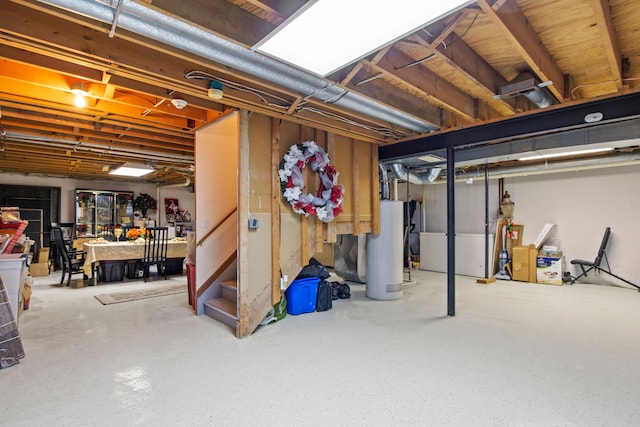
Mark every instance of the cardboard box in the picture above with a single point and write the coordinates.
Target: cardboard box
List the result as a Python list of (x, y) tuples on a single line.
[(39, 269), (549, 270), (523, 263), (43, 255)]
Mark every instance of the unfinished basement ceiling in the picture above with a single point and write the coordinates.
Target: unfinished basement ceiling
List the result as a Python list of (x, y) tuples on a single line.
[(474, 67)]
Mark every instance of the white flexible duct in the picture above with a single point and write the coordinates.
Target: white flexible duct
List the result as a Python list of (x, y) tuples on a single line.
[(140, 19)]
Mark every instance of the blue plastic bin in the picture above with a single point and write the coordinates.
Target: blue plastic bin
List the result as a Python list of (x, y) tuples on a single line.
[(302, 295)]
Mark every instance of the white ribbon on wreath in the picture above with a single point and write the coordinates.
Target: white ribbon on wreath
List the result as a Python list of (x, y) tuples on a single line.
[(327, 202)]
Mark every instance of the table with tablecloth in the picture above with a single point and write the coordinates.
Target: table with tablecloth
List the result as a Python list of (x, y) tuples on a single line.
[(123, 251)]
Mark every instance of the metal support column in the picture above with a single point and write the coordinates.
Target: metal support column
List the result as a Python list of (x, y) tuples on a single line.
[(486, 222), (451, 234)]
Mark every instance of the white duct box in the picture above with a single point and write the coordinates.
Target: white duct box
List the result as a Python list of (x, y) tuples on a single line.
[(544, 234)]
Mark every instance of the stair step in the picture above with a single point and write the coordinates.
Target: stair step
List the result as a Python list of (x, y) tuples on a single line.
[(229, 284), (222, 310), (229, 290)]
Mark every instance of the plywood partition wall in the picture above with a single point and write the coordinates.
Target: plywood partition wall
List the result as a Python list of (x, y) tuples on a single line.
[(284, 240)]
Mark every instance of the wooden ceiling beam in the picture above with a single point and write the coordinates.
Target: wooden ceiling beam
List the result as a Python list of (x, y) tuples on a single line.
[(99, 140), (125, 104), (63, 157), (464, 61), (129, 57), (602, 14), (388, 94), (515, 27), (220, 17), (424, 83), (51, 115), (47, 115)]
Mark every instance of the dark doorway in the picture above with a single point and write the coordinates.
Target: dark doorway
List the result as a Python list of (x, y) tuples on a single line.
[(31, 199)]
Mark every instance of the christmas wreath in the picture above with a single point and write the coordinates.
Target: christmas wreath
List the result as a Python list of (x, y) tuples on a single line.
[(326, 204)]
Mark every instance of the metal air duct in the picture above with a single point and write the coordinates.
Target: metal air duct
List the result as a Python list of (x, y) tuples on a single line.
[(404, 175), (384, 195), (525, 84), (140, 19), (618, 160)]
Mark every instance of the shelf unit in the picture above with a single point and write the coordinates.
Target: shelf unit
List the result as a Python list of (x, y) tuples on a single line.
[(98, 212)]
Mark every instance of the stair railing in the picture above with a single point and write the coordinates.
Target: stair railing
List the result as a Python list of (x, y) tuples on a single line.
[(223, 265), (213, 230)]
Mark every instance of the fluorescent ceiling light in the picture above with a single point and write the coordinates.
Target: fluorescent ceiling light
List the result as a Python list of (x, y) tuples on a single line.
[(565, 153), (130, 169), (431, 158), (330, 34)]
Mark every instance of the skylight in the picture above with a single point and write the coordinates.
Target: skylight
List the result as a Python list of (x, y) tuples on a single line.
[(329, 34)]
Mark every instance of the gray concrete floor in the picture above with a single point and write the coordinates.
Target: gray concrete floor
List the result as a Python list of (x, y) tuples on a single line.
[(515, 354)]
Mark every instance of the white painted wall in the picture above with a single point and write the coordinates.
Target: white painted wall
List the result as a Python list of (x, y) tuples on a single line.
[(69, 186), (216, 153), (581, 204), (186, 200)]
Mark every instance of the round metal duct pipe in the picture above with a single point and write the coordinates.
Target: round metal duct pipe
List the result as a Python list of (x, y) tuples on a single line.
[(404, 175), (568, 166), (147, 22)]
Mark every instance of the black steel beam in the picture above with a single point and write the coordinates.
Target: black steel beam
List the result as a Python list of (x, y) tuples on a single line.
[(486, 222), (546, 121), (451, 235)]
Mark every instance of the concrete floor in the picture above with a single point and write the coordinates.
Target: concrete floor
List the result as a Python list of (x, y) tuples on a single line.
[(516, 354)]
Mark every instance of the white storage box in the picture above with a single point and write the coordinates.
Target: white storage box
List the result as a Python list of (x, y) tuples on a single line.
[(549, 270)]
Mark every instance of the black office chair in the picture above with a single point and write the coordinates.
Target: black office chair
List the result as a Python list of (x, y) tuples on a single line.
[(72, 260), (155, 251), (595, 265)]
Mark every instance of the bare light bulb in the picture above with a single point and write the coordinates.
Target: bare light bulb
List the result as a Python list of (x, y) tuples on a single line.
[(80, 101), (80, 92)]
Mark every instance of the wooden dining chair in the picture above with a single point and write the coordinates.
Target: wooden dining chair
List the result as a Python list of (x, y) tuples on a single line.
[(155, 251), (71, 260), (68, 230)]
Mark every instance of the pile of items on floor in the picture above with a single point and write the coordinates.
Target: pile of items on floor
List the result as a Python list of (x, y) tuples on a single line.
[(539, 262), (311, 291)]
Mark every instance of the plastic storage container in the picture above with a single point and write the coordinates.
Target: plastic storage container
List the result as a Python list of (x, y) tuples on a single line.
[(111, 271), (134, 269), (174, 265), (302, 295)]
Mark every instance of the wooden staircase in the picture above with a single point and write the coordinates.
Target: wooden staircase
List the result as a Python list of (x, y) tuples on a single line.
[(224, 308)]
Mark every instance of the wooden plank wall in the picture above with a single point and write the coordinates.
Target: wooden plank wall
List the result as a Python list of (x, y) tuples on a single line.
[(295, 238)]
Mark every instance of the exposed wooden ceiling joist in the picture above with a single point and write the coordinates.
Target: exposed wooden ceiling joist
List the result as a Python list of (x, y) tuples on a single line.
[(446, 74)]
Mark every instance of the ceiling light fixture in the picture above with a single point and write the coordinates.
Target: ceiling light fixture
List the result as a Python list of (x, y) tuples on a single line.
[(179, 103), (80, 92), (357, 28), (566, 153), (131, 169), (431, 158)]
